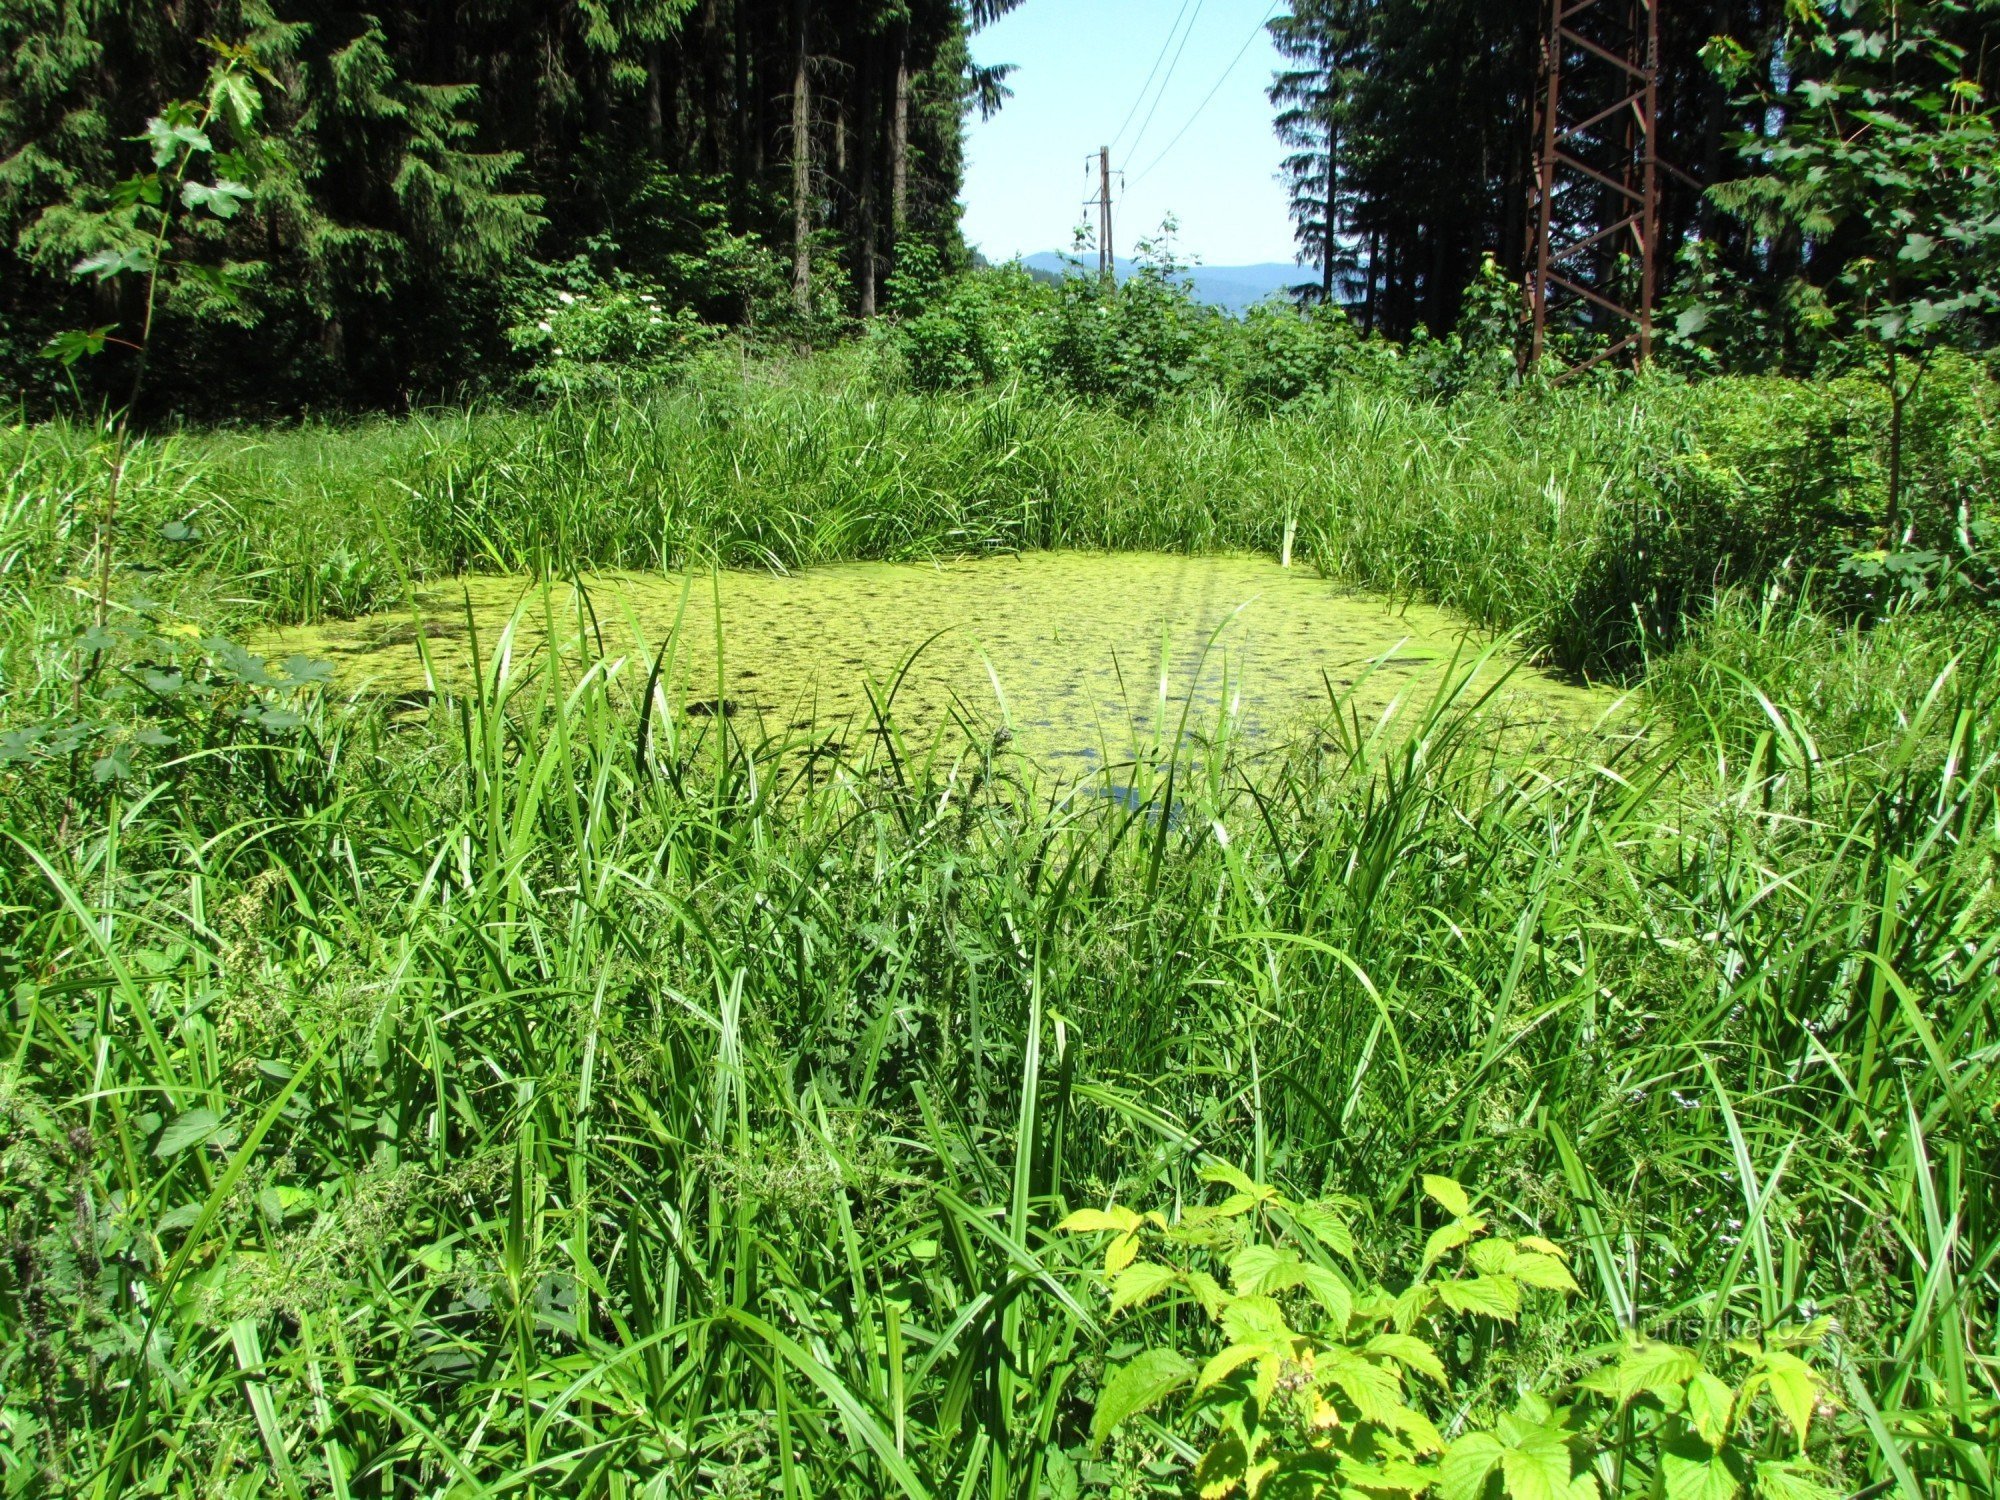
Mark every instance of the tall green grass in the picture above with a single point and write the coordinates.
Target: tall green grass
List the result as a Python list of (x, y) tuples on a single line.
[(1594, 522), (534, 1099), (543, 1109)]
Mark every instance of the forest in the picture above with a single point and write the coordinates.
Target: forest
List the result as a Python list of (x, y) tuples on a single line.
[(663, 832)]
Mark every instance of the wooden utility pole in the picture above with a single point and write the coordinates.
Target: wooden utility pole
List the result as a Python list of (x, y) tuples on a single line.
[(1107, 260)]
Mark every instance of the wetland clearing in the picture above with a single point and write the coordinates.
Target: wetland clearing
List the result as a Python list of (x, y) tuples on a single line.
[(442, 1083)]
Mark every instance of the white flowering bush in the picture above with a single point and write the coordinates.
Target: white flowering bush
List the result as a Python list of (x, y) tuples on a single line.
[(580, 331)]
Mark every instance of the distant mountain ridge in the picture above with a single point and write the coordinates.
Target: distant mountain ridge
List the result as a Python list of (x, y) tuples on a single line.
[(1231, 288)]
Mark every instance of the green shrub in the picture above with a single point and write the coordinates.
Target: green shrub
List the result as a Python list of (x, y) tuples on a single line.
[(578, 332), (1310, 1380)]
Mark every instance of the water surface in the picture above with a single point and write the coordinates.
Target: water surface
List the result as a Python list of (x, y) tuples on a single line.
[(1076, 658)]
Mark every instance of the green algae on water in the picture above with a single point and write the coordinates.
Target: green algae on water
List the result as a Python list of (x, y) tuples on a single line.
[(1076, 658)]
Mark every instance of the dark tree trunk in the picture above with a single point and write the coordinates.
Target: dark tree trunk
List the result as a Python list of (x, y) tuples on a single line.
[(741, 123), (656, 110), (1331, 226), (865, 111), (899, 138), (714, 92), (801, 159)]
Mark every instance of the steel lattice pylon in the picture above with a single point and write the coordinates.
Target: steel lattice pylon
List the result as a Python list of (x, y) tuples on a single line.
[(1596, 192)]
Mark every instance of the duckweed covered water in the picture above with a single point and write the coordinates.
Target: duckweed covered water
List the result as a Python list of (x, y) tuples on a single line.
[(1080, 658)]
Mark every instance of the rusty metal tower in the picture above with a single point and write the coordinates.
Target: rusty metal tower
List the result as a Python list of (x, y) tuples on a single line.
[(1594, 204)]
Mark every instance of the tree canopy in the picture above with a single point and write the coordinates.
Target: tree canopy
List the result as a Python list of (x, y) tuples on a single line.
[(1411, 124), (757, 159)]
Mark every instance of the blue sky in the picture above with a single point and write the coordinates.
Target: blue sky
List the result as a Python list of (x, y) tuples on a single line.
[(1082, 65)]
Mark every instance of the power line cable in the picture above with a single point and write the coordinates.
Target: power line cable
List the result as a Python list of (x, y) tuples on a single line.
[(1140, 98), (1186, 37), (1241, 52)]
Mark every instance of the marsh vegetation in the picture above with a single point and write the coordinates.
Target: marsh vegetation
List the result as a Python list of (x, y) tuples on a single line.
[(537, 1083)]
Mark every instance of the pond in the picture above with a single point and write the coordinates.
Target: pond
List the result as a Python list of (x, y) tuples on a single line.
[(1076, 659)]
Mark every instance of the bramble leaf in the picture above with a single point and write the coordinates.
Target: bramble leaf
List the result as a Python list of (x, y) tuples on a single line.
[(1090, 1220), (1235, 1178), (1494, 1296), (1226, 1363), (1120, 1253), (1326, 1226), (1655, 1369), (1263, 1269), (1538, 1269), (1412, 1353), (1794, 1387), (1448, 1194), (1331, 1293), (1138, 1386), (1224, 1468), (1448, 1238), (1537, 1467), (1375, 1390), (1140, 1282), (1697, 1475), (1791, 1481), (1468, 1463), (1710, 1404)]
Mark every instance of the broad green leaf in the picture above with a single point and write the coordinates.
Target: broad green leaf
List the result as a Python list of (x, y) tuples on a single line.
[(1231, 1359), (1408, 1351), (1537, 1468), (235, 98), (1136, 1387), (74, 344), (1331, 1293), (222, 199), (1411, 1304), (1493, 1296), (1139, 1283), (1793, 1386), (1093, 1220), (1120, 1253), (1396, 1476), (193, 1128), (1416, 1429), (1233, 1177), (1490, 1257), (104, 264), (1249, 1318), (1792, 1481), (1224, 1468), (1448, 1238), (1264, 1269), (1656, 1369), (1376, 1390), (1541, 1246), (1326, 1226), (1467, 1464), (1710, 1403), (1208, 1292), (170, 139), (1539, 1269), (1697, 1475), (1448, 1194)]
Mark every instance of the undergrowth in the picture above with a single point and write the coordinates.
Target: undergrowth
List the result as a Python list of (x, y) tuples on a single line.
[(528, 1097)]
